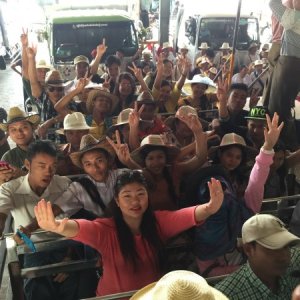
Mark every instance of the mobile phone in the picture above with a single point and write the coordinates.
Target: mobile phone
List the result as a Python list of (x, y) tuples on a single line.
[(4, 164), (28, 242)]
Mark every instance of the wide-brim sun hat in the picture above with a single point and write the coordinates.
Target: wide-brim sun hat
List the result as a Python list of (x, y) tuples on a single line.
[(100, 92), (203, 46), (155, 140), (179, 285), (225, 46), (88, 143), (74, 121), (42, 64), (233, 139), (15, 114), (55, 79), (187, 87)]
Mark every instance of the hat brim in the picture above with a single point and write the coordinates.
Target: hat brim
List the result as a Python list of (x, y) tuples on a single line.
[(172, 152), (250, 151), (278, 240), (255, 118), (62, 84), (104, 145), (61, 131), (187, 88), (113, 98), (34, 120), (147, 293)]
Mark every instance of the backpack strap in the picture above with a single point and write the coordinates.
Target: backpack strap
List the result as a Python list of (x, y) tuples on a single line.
[(92, 191)]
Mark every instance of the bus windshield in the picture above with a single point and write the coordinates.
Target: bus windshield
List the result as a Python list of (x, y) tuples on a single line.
[(216, 31), (70, 40)]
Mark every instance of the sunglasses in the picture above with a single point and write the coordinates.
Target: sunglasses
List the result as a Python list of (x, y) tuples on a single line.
[(55, 88)]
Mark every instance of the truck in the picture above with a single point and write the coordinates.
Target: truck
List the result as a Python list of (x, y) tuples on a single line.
[(76, 32), (193, 29)]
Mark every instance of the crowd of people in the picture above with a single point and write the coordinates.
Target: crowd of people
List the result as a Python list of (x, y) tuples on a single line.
[(161, 151)]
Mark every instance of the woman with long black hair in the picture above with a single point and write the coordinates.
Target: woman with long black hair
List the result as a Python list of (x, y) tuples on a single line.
[(131, 242)]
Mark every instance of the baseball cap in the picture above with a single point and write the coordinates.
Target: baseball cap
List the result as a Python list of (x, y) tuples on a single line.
[(81, 58), (268, 231)]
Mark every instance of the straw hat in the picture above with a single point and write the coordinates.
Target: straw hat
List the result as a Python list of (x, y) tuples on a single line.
[(225, 46), (154, 140), (88, 143), (145, 97), (165, 45), (54, 78), (265, 47), (15, 114), (203, 46), (213, 70), (252, 45), (41, 64), (179, 285), (81, 58), (258, 62), (187, 87), (184, 110), (100, 92), (74, 121), (230, 139)]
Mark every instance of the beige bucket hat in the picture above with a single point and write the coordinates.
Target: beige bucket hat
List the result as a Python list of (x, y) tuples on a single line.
[(100, 92), (15, 114), (155, 140), (74, 121), (203, 46), (88, 143), (54, 78), (42, 64)]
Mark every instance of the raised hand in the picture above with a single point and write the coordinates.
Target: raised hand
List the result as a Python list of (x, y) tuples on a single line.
[(45, 217), (106, 83), (136, 71), (159, 62), (272, 132), (135, 116), (216, 196), (122, 150), (222, 90), (191, 120), (31, 51), (101, 48), (82, 82), (24, 38)]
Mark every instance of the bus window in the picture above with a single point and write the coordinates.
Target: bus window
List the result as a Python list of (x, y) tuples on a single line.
[(216, 31), (70, 40)]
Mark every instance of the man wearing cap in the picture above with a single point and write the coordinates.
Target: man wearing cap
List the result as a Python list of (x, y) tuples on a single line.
[(252, 54), (224, 51), (267, 274), (20, 128), (260, 83)]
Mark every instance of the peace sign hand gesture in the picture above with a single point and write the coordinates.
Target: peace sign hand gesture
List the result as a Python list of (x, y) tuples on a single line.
[(31, 51), (106, 83), (192, 121), (24, 37), (122, 150), (136, 71), (135, 116)]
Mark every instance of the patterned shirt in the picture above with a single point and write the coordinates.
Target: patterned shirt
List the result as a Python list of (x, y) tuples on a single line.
[(244, 284)]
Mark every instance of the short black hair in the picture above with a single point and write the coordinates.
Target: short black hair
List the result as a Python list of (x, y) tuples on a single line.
[(112, 59), (38, 147), (239, 86)]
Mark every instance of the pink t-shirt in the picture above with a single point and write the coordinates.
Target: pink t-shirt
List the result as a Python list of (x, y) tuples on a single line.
[(119, 276)]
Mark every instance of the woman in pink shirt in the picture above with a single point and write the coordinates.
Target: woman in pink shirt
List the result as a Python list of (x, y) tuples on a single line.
[(132, 241)]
